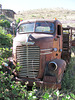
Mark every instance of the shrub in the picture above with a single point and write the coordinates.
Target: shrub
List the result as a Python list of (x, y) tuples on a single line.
[(18, 20), (68, 83), (5, 39), (5, 52), (5, 23), (12, 90)]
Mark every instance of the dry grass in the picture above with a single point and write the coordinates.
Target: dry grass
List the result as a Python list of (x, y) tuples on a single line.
[(67, 17)]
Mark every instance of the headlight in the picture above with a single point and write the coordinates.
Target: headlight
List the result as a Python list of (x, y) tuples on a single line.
[(55, 49), (52, 66)]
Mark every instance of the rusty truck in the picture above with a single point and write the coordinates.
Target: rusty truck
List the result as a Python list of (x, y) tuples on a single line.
[(42, 50)]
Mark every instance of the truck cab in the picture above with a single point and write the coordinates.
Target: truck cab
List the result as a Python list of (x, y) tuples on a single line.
[(37, 48)]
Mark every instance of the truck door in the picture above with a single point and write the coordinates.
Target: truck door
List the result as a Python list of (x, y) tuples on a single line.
[(59, 38)]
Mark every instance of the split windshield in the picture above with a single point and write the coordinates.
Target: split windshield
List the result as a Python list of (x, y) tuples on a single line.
[(42, 27), (26, 28)]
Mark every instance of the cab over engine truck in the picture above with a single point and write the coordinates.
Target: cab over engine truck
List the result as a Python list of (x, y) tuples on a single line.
[(39, 48)]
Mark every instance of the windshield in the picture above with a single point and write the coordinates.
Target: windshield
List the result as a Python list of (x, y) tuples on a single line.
[(44, 27), (27, 27)]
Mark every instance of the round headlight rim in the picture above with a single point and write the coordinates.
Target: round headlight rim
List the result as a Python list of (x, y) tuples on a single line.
[(54, 63)]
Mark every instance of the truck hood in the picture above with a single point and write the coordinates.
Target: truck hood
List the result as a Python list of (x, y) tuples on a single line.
[(41, 40), (31, 37)]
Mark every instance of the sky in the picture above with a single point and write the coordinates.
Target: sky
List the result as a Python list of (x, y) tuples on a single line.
[(22, 5)]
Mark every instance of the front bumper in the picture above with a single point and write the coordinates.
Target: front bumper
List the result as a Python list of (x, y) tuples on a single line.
[(42, 84)]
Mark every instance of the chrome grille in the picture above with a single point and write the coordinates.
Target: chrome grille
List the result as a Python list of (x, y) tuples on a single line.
[(29, 58)]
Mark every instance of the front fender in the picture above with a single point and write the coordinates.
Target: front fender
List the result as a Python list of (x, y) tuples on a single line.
[(56, 68)]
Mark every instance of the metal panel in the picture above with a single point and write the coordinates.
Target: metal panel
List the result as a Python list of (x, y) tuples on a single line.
[(29, 58)]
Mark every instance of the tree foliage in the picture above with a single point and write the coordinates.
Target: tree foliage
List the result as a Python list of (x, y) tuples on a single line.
[(19, 20), (5, 40), (5, 23)]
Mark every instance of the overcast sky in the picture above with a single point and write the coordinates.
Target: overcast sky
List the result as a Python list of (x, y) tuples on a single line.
[(20, 5)]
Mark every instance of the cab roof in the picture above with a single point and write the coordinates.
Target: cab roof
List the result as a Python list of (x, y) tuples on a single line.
[(35, 20)]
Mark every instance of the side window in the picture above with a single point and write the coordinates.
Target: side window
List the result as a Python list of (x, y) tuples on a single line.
[(58, 30)]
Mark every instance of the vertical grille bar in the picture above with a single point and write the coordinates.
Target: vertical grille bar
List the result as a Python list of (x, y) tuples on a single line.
[(29, 58)]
